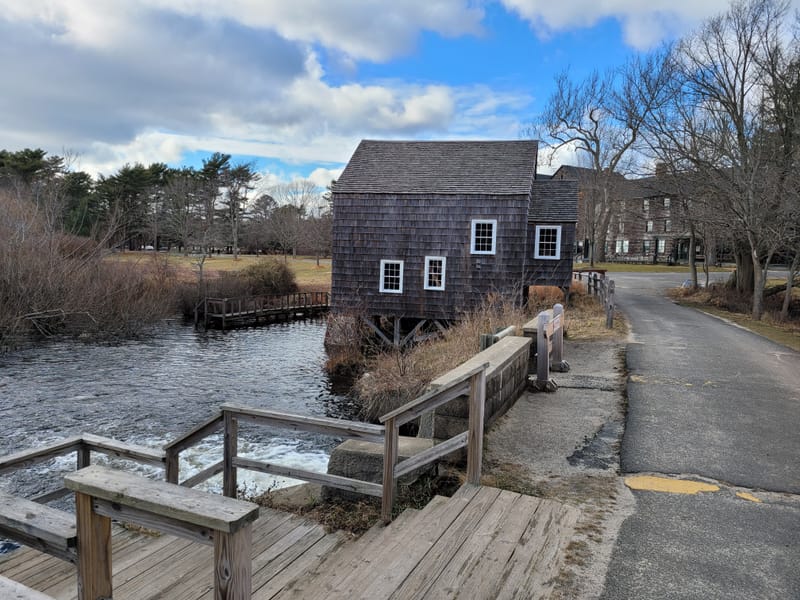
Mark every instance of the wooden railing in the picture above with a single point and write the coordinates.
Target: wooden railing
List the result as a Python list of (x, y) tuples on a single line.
[(548, 331), (83, 446), (471, 383), (598, 285), (227, 421), (490, 339), (231, 308)]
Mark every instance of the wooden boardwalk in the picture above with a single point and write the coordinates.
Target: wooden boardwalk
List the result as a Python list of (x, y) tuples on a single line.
[(481, 543), (226, 313)]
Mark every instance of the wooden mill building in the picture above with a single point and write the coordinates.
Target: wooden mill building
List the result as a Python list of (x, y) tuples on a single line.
[(424, 231)]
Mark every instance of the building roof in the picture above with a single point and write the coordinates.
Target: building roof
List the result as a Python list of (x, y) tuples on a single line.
[(554, 201), (648, 187), (464, 168)]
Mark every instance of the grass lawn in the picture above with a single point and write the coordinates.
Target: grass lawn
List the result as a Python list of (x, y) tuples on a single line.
[(633, 268), (309, 275)]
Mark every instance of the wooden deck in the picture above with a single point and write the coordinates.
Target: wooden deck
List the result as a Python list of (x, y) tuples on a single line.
[(481, 543), (226, 313)]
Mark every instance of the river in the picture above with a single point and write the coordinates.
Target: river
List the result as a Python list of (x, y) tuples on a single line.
[(152, 390)]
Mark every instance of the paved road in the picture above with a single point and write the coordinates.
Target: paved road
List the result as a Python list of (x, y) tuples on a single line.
[(707, 400)]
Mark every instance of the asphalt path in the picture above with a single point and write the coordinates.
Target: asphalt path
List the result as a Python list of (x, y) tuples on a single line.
[(707, 400)]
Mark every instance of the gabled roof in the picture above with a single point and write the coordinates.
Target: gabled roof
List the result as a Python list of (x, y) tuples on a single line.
[(464, 168), (554, 201)]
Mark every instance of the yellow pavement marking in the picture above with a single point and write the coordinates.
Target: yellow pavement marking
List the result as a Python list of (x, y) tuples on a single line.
[(649, 483), (746, 496)]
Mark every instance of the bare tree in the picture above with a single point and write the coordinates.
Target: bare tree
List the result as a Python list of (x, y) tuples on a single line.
[(719, 125), (600, 118), (294, 200)]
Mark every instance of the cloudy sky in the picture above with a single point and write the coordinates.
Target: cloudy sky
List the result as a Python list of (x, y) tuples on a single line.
[(295, 84)]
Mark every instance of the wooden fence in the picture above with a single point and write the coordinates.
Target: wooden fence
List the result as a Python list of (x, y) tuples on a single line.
[(597, 284), (230, 312), (548, 331)]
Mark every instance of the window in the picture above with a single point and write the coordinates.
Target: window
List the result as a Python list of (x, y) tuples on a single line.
[(646, 246), (548, 242), (649, 227), (434, 272), (666, 202), (621, 227), (667, 225), (662, 245), (484, 236), (619, 247), (392, 276), (646, 204), (624, 246)]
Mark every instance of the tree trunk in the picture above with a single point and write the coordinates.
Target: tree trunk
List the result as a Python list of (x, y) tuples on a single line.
[(787, 297), (692, 254), (759, 281), (744, 272)]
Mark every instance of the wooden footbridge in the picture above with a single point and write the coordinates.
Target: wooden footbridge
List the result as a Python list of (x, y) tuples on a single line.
[(480, 543), (226, 313)]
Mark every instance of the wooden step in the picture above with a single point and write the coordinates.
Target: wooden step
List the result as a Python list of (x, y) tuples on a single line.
[(11, 590)]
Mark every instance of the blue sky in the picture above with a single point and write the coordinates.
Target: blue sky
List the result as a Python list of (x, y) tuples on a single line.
[(293, 85)]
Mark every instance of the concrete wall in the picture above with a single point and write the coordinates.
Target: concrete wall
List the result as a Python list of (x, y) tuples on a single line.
[(506, 379)]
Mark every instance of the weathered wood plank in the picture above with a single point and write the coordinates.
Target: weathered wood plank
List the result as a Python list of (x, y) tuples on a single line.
[(11, 590), (204, 475), (344, 483), (94, 551), (141, 454), (161, 498), (427, 402), (191, 437), (127, 514), (325, 425), (28, 458), (477, 408), (431, 454), (51, 495), (39, 526), (233, 564)]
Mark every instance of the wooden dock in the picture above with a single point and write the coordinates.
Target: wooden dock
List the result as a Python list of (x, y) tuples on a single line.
[(227, 313), (481, 543)]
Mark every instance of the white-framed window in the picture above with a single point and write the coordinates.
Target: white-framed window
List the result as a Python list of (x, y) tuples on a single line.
[(646, 244), (649, 227), (646, 204), (667, 225), (662, 246), (625, 246), (548, 242), (618, 247), (435, 267), (391, 276), (666, 202), (621, 227), (484, 236)]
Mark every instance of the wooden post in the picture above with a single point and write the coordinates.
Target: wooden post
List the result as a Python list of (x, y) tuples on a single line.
[(84, 457), (233, 564), (172, 466), (542, 349), (477, 402), (94, 551), (558, 334), (230, 450), (390, 448), (487, 339), (397, 332), (610, 306)]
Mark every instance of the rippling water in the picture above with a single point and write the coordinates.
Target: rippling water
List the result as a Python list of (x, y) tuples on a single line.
[(148, 392)]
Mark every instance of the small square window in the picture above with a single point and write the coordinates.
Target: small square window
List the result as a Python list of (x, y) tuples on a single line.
[(392, 276), (484, 236), (434, 272), (548, 242)]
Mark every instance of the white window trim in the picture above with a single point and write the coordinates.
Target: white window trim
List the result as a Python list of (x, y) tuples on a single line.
[(476, 222), (428, 260), (383, 272), (558, 242)]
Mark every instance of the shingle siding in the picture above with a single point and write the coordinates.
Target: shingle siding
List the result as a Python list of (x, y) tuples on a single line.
[(408, 200)]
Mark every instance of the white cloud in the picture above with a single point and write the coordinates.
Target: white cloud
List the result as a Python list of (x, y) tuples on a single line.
[(644, 24)]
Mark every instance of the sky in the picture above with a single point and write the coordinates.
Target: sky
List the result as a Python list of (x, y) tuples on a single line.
[(293, 85)]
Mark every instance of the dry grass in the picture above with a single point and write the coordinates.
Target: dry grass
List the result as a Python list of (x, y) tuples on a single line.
[(309, 275), (394, 378)]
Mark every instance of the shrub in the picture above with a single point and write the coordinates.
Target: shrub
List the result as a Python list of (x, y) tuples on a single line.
[(269, 276)]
